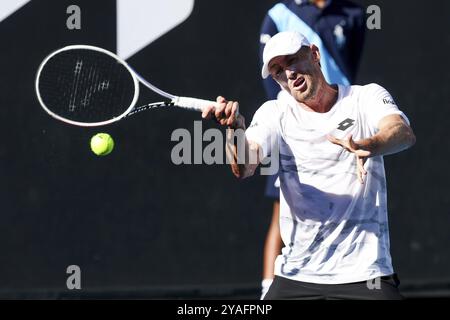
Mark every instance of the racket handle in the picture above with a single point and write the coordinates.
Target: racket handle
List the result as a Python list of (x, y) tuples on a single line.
[(194, 103)]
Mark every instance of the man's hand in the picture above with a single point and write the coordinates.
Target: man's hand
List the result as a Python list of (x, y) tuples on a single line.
[(226, 113), (394, 135), (352, 146)]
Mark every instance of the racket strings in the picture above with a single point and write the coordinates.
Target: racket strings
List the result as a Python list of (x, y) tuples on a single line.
[(86, 86)]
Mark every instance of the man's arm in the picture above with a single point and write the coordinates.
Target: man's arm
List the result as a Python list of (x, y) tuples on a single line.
[(394, 135), (243, 161)]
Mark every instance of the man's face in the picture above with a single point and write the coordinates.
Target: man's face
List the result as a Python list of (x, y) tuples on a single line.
[(298, 73)]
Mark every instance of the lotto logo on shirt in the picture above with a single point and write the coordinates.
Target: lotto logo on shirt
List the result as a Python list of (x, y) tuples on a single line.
[(347, 123), (388, 100)]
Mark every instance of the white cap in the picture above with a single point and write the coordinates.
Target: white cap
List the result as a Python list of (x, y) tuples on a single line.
[(282, 44)]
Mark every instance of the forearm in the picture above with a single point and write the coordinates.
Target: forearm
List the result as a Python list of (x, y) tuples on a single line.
[(242, 155), (392, 139)]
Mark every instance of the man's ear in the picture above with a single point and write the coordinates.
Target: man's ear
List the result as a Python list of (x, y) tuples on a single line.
[(315, 53)]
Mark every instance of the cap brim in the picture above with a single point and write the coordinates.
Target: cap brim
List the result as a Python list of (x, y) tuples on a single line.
[(265, 71)]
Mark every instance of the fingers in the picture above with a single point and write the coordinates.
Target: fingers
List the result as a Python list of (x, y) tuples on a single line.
[(361, 171), (220, 107), (362, 153), (351, 142), (221, 112), (350, 145), (224, 112), (208, 112), (232, 114), (334, 140), (361, 162), (340, 142), (358, 171)]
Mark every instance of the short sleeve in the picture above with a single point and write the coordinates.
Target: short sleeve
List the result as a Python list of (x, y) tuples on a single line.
[(378, 103), (264, 127)]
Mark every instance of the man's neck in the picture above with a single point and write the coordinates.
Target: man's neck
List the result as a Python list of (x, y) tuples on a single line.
[(324, 100)]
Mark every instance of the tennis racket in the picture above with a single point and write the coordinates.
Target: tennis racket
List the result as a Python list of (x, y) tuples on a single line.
[(90, 86)]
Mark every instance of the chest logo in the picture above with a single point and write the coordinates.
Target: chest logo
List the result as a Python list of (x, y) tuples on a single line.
[(347, 123)]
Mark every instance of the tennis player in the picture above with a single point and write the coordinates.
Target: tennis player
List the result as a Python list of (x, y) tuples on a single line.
[(330, 140), (337, 28)]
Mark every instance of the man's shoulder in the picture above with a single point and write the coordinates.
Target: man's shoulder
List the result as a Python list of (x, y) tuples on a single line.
[(269, 107), (369, 94), (270, 111), (362, 94), (369, 88)]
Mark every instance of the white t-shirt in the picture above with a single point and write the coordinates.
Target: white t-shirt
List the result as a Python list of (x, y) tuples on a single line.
[(334, 228)]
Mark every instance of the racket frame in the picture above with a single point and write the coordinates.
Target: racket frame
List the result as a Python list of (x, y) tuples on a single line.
[(183, 102), (88, 124)]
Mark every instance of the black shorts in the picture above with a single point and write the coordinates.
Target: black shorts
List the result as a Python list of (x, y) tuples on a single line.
[(382, 288)]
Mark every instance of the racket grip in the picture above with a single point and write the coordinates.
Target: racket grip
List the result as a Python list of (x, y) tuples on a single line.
[(194, 103)]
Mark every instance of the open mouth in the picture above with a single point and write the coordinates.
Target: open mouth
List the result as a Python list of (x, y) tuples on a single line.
[(300, 83)]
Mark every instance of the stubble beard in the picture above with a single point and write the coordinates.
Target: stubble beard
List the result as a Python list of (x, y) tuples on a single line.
[(310, 93)]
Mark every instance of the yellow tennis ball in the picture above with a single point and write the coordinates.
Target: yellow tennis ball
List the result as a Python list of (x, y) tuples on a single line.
[(102, 144)]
